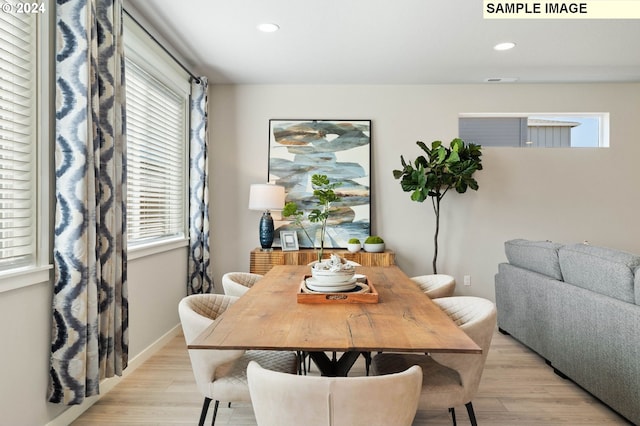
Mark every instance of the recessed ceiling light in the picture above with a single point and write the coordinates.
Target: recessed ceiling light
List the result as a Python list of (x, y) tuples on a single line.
[(504, 46), (268, 28)]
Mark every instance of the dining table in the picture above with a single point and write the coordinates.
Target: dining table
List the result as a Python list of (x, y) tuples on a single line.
[(270, 316)]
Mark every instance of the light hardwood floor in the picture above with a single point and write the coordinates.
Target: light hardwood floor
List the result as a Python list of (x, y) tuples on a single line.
[(517, 388)]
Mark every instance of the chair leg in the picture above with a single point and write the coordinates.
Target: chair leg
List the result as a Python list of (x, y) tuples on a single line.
[(215, 413), (203, 413), (302, 362), (472, 415), (304, 366), (453, 415), (367, 361)]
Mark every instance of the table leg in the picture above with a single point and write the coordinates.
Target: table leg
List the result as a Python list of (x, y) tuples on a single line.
[(334, 368)]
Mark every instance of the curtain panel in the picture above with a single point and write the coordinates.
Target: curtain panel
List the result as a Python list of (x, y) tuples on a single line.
[(90, 308), (199, 279)]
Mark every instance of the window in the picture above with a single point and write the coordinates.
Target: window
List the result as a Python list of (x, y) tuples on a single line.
[(157, 137), (18, 140), (540, 130)]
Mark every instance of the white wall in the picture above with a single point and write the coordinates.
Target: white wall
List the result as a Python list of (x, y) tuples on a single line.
[(156, 285), (565, 195)]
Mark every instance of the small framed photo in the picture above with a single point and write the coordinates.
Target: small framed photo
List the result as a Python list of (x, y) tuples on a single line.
[(289, 240)]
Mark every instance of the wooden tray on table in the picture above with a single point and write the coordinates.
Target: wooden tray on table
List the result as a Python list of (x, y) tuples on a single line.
[(357, 295)]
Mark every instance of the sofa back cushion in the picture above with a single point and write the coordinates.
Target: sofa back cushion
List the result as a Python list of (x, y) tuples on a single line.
[(536, 256), (603, 270)]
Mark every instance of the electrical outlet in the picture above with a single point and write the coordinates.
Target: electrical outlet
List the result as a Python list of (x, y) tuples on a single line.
[(467, 280)]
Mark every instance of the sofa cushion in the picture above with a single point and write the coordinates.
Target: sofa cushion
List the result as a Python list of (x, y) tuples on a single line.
[(603, 270), (536, 256)]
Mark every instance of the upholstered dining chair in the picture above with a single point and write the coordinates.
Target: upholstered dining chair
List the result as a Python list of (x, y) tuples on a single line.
[(436, 285), (238, 283), (285, 400), (221, 374), (449, 380)]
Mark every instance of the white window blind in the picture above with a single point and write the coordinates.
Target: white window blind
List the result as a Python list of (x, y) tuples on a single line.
[(156, 157), (18, 94)]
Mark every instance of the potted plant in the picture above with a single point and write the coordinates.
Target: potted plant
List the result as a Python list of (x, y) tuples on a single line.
[(374, 244), (354, 245), (323, 190), (442, 169)]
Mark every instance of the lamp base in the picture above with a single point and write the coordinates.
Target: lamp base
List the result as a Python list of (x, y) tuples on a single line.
[(266, 231)]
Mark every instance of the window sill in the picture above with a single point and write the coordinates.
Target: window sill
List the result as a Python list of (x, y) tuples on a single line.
[(25, 277), (150, 249)]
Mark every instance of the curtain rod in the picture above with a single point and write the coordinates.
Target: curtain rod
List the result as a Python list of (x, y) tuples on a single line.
[(193, 76)]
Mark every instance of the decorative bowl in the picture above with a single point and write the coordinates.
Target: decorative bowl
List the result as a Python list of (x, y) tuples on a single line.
[(331, 277), (315, 285), (353, 247), (374, 248)]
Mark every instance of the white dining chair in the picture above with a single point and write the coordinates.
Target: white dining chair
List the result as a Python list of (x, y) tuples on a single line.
[(436, 285), (221, 374), (286, 400), (238, 283), (450, 380)]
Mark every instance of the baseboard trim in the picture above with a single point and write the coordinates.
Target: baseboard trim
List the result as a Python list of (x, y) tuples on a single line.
[(73, 412)]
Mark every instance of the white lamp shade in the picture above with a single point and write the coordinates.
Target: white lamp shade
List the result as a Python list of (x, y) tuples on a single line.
[(265, 196)]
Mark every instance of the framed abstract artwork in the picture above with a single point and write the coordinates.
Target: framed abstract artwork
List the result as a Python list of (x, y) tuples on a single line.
[(339, 149)]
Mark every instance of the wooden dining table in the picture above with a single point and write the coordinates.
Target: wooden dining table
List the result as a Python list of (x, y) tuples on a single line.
[(270, 317)]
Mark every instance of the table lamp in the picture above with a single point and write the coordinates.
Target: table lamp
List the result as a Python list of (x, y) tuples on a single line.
[(266, 197)]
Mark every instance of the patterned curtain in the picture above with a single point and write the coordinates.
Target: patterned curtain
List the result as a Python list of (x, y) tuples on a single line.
[(90, 308), (199, 279)]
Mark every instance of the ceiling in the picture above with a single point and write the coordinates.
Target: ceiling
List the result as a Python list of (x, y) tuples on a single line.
[(386, 42)]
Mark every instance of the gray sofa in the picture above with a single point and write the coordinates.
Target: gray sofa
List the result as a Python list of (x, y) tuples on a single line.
[(578, 306)]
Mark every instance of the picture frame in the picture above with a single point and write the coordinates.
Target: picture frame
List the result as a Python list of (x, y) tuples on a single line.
[(339, 149), (289, 240)]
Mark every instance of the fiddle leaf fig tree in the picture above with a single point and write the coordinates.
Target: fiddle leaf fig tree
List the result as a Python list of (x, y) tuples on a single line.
[(434, 174)]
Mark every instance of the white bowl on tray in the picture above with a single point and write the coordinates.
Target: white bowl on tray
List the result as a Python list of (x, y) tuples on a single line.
[(355, 288), (361, 278), (332, 277), (328, 287)]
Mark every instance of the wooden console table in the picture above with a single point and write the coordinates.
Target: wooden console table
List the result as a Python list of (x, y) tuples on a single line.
[(263, 261)]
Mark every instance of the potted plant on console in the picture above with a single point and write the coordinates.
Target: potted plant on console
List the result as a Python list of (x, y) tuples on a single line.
[(374, 244), (354, 245), (442, 169)]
